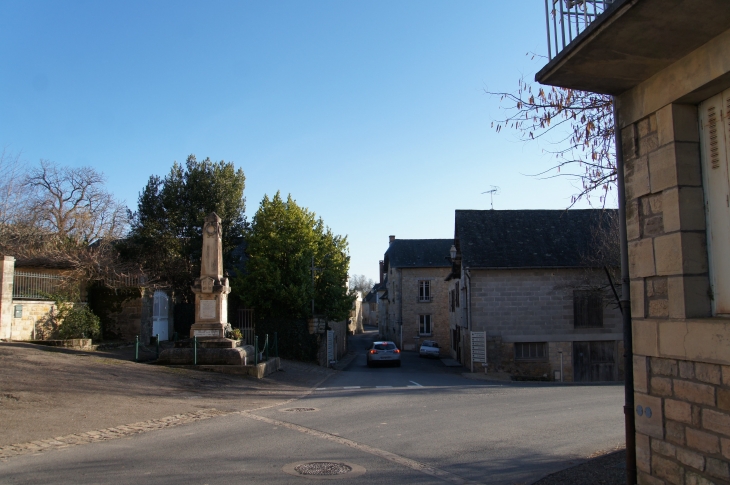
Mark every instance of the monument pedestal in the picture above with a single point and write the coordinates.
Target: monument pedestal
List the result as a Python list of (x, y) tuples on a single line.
[(208, 343)]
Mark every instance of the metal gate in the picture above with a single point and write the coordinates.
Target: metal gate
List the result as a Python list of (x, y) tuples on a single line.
[(246, 325), (594, 361)]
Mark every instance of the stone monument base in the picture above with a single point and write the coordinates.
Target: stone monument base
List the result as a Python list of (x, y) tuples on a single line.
[(209, 352), (208, 330)]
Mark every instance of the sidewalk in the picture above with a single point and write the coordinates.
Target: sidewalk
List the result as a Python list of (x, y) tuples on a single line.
[(47, 392)]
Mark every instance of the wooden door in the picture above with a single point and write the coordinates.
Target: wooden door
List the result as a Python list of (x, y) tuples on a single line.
[(594, 361)]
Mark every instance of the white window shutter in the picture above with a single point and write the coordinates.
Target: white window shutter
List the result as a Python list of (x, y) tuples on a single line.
[(715, 133)]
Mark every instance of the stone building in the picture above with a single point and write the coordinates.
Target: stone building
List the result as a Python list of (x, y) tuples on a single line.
[(667, 64), (415, 300), (527, 278)]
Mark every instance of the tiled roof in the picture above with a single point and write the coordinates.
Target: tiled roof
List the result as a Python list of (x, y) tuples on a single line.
[(528, 238), (419, 253)]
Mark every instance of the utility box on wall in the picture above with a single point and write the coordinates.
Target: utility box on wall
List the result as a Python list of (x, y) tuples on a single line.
[(18, 311)]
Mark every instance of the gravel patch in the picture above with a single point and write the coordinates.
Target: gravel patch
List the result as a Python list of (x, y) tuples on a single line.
[(609, 469)]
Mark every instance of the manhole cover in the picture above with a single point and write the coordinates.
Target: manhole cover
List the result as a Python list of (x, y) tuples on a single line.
[(322, 468), (299, 410)]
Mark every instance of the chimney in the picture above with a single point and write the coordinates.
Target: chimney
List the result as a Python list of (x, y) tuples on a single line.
[(382, 270), (390, 240)]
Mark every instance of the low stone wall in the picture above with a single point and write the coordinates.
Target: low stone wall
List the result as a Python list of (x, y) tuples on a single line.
[(30, 325), (72, 343), (258, 371)]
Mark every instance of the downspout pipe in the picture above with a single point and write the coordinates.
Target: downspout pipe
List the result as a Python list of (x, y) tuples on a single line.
[(625, 303)]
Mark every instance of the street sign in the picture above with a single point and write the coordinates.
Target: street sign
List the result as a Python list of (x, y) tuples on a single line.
[(478, 348)]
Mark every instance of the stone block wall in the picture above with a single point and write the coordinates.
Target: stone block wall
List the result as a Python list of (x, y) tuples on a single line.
[(665, 215), (438, 307), (7, 270), (682, 422), (31, 324), (535, 303), (681, 356)]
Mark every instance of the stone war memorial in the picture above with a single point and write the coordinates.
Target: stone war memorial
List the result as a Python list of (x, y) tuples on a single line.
[(208, 345)]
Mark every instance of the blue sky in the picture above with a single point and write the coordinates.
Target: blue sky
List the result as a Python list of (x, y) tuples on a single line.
[(372, 114)]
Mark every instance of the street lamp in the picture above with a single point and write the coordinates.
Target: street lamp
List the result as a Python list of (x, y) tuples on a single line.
[(452, 251)]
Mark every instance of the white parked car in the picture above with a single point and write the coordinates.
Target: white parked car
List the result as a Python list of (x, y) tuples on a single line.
[(429, 348), (383, 352)]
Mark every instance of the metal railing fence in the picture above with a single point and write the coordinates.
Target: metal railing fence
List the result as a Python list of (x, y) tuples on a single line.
[(566, 19), (35, 286)]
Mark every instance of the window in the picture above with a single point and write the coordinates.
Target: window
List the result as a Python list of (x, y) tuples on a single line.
[(424, 290), (715, 155), (425, 325), (531, 351), (456, 290), (587, 309), (452, 301)]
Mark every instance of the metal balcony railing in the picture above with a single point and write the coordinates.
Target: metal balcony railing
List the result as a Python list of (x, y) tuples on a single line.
[(566, 19)]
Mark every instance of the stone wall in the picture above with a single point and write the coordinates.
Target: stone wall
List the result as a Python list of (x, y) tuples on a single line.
[(681, 355), (682, 422), (30, 325), (438, 307), (536, 304)]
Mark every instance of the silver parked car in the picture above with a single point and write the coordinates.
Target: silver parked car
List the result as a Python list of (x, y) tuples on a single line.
[(429, 348), (383, 352)]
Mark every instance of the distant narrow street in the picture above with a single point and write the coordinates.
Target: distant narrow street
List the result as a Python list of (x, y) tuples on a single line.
[(420, 423)]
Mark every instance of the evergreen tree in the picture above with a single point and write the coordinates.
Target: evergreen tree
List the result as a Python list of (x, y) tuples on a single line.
[(166, 230), (283, 244)]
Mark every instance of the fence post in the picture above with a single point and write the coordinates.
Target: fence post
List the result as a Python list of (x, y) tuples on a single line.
[(256, 349), (158, 345), (195, 350), (136, 349), (276, 345), (266, 346)]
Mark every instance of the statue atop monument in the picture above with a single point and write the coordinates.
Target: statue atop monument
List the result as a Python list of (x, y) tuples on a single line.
[(211, 289)]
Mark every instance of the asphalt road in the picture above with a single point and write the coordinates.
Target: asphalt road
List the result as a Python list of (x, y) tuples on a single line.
[(420, 423)]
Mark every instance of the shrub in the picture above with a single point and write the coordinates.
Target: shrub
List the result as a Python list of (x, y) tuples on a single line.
[(78, 321)]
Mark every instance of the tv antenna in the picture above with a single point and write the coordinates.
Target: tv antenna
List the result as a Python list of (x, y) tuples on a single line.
[(494, 191)]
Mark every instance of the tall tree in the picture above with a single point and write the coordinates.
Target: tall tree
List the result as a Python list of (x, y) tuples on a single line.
[(293, 258), (166, 235)]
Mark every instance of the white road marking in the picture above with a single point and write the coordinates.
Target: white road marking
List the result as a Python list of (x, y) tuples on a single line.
[(383, 387), (351, 387), (401, 460), (415, 384)]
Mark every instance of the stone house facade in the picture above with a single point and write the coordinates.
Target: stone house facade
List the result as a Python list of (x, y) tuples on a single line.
[(672, 105), (523, 278), (416, 294)]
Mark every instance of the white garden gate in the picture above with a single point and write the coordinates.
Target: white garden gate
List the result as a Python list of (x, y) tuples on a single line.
[(160, 312)]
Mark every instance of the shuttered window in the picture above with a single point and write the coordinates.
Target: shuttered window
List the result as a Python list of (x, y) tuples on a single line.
[(715, 148), (587, 309)]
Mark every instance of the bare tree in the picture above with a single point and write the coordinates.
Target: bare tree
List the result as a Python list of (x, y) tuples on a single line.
[(63, 217), (576, 126), (12, 201), (361, 283), (72, 204)]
